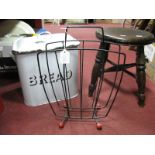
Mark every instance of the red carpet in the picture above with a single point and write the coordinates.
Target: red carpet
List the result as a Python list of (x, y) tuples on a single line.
[(126, 117)]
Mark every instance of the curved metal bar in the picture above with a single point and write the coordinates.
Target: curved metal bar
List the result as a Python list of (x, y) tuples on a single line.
[(47, 63), (97, 96), (38, 61), (114, 84), (116, 89), (65, 90), (68, 89), (92, 27), (62, 79)]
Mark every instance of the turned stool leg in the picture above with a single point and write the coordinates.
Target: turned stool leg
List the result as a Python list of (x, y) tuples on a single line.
[(141, 75), (100, 61)]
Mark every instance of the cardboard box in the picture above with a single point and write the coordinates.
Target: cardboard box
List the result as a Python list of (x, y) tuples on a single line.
[(150, 66)]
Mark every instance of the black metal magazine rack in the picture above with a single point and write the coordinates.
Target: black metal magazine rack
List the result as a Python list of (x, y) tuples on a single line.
[(82, 107)]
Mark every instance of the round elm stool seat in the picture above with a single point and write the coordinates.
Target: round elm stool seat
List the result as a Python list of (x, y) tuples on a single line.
[(128, 37)]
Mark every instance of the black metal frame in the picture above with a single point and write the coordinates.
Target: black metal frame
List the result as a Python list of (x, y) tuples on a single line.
[(66, 110)]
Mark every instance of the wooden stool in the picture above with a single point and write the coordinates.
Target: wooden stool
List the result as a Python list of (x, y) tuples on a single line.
[(128, 37)]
